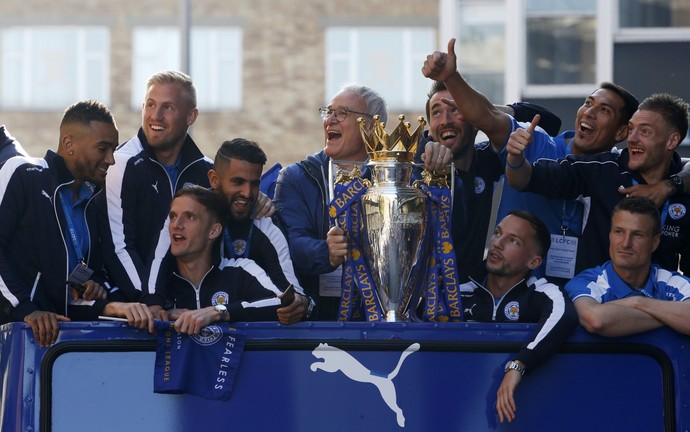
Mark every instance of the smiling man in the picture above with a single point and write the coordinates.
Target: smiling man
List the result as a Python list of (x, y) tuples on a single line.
[(148, 169), (51, 268), (629, 294), (302, 199), (478, 170), (236, 175), (655, 131)]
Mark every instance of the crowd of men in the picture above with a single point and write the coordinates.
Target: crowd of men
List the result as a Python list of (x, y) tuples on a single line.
[(152, 229)]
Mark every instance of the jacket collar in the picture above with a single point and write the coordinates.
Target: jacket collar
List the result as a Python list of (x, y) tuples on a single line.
[(189, 153), (58, 168)]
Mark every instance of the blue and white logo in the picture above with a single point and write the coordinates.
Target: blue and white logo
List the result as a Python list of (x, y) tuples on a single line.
[(479, 185), (676, 211), (208, 336), (512, 311), (220, 298)]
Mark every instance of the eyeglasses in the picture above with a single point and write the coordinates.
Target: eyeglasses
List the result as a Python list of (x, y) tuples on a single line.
[(340, 113)]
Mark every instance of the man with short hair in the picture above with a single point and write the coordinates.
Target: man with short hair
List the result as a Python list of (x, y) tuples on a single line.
[(200, 291), (236, 174), (629, 294), (507, 293), (655, 131), (478, 170), (51, 268), (148, 169)]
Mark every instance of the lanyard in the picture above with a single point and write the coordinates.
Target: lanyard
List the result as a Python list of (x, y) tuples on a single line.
[(230, 247), (67, 210), (567, 216)]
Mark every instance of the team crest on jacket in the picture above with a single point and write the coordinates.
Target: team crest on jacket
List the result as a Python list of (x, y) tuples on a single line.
[(676, 211), (512, 311), (479, 185), (238, 247), (220, 298)]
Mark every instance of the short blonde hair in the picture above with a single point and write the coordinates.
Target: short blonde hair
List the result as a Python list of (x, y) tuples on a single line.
[(174, 77)]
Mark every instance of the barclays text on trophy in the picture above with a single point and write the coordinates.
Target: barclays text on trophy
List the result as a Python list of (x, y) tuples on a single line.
[(400, 254)]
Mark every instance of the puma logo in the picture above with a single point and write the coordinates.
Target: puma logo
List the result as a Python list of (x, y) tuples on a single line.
[(45, 194), (155, 186), (468, 311), (335, 359)]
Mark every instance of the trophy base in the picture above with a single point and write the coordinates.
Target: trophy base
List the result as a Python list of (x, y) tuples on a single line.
[(394, 316)]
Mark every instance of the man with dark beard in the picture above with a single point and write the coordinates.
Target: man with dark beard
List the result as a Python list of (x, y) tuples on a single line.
[(507, 293), (236, 174), (478, 170)]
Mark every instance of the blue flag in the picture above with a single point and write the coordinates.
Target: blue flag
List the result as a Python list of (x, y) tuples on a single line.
[(203, 365)]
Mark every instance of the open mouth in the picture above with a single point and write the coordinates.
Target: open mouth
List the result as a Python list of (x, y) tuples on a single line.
[(333, 134), (448, 135), (586, 127)]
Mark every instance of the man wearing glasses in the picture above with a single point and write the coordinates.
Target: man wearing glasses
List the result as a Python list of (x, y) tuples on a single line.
[(302, 195)]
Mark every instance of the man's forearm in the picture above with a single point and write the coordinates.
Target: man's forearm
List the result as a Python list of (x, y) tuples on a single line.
[(518, 171), (477, 110), (671, 313)]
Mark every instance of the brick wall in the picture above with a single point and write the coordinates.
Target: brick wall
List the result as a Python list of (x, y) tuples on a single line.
[(283, 65)]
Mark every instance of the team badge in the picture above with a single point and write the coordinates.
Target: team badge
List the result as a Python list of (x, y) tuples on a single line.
[(479, 185), (239, 246), (208, 336), (676, 211), (512, 311), (220, 298)]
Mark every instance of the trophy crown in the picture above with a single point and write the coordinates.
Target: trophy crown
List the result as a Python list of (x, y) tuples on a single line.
[(399, 146)]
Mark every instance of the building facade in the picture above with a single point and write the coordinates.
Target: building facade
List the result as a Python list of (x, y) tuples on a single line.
[(263, 67)]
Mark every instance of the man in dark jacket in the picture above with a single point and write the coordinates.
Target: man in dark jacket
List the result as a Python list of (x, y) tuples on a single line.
[(302, 194), (201, 290), (507, 293), (148, 169), (9, 146), (50, 262)]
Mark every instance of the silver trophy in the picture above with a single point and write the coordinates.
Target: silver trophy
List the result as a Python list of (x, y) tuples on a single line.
[(395, 226), (394, 221)]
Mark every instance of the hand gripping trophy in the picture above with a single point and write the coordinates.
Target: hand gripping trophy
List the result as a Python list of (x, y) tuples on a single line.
[(395, 231)]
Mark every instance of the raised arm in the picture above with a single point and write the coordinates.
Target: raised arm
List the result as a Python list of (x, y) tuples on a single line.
[(518, 169), (474, 106)]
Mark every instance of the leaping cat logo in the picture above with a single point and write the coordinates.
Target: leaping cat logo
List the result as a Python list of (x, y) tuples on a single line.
[(335, 359)]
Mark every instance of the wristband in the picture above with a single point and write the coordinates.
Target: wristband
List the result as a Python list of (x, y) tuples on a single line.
[(515, 167)]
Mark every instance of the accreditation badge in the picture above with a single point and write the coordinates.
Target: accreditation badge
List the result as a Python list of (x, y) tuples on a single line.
[(561, 258), (80, 274), (330, 283), (76, 280)]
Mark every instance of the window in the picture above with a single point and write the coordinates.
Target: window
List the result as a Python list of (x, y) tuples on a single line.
[(215, 63), (389, 60), (654, 13), (481, 32), (51, 67), (560, 42)]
